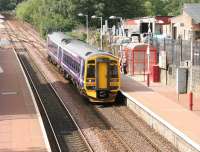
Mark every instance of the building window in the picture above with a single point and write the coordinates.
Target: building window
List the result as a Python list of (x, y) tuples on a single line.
[(197, 35)]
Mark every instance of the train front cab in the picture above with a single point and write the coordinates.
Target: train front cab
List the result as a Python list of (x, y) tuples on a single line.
[(102, 78)]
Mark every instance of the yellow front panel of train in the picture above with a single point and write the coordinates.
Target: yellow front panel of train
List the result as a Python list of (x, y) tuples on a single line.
[(102, 75)]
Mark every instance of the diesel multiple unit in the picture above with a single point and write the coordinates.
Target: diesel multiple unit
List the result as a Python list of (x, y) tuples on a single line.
[(95, 73)]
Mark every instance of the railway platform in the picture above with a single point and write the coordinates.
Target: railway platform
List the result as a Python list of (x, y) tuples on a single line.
[(161, 108), (21, 127)]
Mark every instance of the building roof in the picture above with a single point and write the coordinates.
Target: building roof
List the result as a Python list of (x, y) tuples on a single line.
[(163, 20), (193, 10)]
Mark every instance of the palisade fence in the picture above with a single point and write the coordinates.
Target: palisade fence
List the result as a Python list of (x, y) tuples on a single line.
[(178, 50)]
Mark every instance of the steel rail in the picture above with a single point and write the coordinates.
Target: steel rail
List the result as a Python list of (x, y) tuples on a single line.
[(62, 103), (40, 100), (141, 134), (14, 47)]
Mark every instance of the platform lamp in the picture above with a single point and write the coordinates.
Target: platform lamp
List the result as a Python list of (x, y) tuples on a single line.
[(148, 55), (101, 36), (191, 67), (81, 14), (121, 22)]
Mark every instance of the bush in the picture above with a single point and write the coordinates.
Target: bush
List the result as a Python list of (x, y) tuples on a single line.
[(43, 16), (7, 5)]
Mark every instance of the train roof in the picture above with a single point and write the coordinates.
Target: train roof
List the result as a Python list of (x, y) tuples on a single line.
[(76, 47)]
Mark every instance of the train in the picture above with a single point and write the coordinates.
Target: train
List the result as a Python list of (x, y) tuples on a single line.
[(94, 72)]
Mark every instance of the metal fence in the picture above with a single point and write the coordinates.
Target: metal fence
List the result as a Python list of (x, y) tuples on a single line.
[(178, 51)]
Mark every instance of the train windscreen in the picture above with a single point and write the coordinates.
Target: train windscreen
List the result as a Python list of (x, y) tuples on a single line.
[(113, 71), (91, 71)]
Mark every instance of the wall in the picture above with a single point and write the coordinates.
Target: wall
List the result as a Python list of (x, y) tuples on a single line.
[(159, 125), (183, 23), (170, 74), (167, 29), (196, 80)]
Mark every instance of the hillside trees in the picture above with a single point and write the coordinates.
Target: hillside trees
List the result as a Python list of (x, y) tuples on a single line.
[(7, 4), (46, 15), (49, 15), (174, 7)]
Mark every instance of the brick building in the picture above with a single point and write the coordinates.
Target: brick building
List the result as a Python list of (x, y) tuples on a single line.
[(188, 23)]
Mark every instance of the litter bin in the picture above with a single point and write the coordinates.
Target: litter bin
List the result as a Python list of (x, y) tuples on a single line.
[(155, 73)]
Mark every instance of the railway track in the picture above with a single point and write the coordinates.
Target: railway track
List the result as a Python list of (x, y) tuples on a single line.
[(155, 146), (63, 132), (114, 133)]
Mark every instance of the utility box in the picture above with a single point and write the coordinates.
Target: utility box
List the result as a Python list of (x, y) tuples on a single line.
[(155, 73), (181, 80)]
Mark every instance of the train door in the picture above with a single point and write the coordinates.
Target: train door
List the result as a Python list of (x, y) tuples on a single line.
[(102, 75), (102, 78)]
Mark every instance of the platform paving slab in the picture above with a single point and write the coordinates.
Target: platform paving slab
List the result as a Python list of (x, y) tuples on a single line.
[(163, 113), (21, 127)]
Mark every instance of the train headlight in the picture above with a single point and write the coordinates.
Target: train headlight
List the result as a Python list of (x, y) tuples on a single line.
[(90, 80)]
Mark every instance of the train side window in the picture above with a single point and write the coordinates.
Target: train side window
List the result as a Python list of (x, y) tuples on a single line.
[(113, 71), (64, 59), (83, 70), (67, 60), (70, 62), (75, 66), (90, 71)]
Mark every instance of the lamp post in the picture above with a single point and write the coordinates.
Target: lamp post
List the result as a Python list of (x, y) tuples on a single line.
[(148, 54), (121, 21), (81, 14), (101, 36), (191, 60)]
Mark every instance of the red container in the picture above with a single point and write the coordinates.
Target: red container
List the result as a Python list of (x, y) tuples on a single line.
[(155, 73)]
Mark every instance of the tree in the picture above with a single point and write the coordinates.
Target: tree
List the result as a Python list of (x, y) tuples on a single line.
[(48, 15), (174, 7), (7, 4)]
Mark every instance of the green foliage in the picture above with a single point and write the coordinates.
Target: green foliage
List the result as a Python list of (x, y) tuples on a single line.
[(54, 15), (46, 15), (7, 4), (174, 7), (27, 9), (79, 35)]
